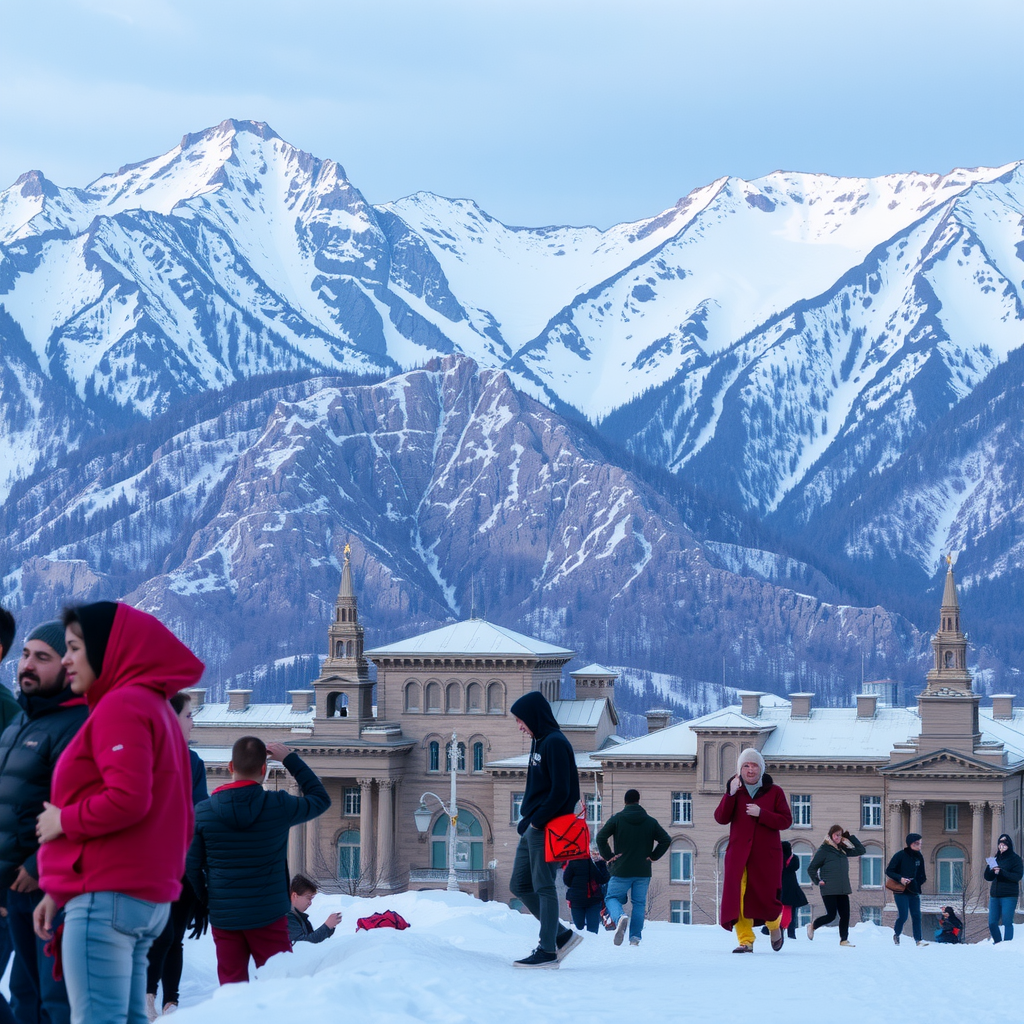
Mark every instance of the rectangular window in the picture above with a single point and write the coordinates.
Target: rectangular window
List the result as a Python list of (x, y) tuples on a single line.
[(952, 818), (801, 807), (681, 866), (593, 802), (353, 801), (682, 808), (803, 916), (517, 807), (870, 812), (679, 912), (871, 915), (805, 862), (871, 871)]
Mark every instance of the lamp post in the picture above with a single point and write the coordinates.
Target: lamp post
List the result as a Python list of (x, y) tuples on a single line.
[(423, 815)]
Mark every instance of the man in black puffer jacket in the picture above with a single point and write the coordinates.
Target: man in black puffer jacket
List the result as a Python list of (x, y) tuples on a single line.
[(1005, 875), (237, 863), (50, 715), (907, 867), (552, 789)]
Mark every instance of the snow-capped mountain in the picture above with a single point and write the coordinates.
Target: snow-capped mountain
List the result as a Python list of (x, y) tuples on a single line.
[(786, 346)]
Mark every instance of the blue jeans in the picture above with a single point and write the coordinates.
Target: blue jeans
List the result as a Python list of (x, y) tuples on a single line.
[(533, 882), (908, 903), (635, 889), (106, 938), (43, 991), (1001, 908)]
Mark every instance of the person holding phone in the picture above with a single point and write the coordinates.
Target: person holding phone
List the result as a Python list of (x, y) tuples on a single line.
[(1004, 871), (907, 868)]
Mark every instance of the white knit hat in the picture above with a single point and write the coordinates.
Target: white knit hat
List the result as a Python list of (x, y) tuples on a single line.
[(747, 756)]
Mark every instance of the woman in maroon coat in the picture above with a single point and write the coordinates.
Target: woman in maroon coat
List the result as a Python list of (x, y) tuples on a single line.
[(756, 811)]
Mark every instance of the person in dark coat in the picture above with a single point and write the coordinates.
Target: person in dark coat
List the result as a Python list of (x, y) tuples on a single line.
[(793, 895), (756, 811), (950, 926), (829, 870), (907, 868), (585, 882), (50, 716), (1005, 875), (639, 840), (237, 862), (300, 929), (552, 789), (166, 955)]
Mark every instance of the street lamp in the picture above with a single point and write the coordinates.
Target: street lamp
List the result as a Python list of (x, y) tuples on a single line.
[(422, 814)]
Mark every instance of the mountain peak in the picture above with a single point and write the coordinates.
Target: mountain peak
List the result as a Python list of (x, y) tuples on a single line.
[(229, 126), (34, 184)]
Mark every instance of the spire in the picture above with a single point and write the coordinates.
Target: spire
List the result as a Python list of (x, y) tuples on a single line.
[(949, 643), (346, 576), (949, 597)]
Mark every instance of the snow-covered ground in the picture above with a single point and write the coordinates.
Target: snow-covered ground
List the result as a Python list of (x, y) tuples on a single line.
[(454, 965)]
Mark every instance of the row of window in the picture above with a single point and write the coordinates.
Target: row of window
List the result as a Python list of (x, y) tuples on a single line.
[(434, 757), (454, 699)]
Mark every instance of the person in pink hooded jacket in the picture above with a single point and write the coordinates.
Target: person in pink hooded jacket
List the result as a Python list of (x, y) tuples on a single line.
[(116, 830)]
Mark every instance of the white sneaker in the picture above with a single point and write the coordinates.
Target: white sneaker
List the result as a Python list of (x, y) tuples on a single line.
[(151, 1011), (620, 929), (922, 943), (634, 942)]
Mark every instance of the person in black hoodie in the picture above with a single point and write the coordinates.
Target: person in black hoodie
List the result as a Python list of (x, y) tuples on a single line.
[(237, 863), (907, 868), (1005, 875), (29, 747), (552, 789)]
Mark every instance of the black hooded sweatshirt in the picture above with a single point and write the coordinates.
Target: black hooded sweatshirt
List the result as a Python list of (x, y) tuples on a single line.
[(552, 782), (1011, 869)]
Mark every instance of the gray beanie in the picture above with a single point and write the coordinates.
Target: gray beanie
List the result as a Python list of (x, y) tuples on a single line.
[(748, 755), (51, 633)]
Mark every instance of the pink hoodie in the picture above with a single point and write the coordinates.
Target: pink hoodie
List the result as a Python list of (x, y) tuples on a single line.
[(124, 783)]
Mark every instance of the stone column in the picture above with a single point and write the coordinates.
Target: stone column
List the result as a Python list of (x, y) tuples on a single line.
[(916, 817), (385, 832), (365, 829), (297, 849), (896, 833), (977, 841), (997, 825)]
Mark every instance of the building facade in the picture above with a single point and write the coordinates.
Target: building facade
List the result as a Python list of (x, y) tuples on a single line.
[(947, 768)]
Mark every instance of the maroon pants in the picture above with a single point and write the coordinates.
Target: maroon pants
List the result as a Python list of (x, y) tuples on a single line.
[(235, 947)]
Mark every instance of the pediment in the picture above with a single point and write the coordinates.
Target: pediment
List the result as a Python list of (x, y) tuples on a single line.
[(944, 762)]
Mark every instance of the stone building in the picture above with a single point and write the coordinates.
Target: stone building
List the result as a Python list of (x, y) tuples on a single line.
[(949, 769)]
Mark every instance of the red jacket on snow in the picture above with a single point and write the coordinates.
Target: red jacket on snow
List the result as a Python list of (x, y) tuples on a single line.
[(124, 783), (754, 844)]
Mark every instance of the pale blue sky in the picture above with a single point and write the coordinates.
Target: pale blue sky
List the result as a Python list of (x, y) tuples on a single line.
[(543, 112)]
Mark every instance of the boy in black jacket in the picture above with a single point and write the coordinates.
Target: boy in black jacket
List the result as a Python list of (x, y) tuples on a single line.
[(237, 863), (552, 789)]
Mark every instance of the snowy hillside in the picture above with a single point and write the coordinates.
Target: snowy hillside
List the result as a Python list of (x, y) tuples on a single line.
[(454, 964)]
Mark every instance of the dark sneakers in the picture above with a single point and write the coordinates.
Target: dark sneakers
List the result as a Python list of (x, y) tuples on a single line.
[(566, 943), (539, 958)]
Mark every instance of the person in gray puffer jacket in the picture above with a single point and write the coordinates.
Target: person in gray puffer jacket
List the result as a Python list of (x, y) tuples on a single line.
[(830, 871)]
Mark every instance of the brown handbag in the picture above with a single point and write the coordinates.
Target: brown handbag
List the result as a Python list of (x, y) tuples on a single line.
[(893, 886)]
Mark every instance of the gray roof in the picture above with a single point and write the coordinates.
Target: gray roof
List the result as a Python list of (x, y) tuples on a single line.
[(584, 762), (474, 636), (594, 669), (579, 714), (255, 715), (675, 741)]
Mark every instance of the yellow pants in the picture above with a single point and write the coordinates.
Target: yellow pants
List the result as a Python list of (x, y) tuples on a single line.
[(745, 925)]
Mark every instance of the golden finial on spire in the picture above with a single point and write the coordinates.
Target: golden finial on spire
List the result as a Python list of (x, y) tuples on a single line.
[(949, 561), (348, 548)]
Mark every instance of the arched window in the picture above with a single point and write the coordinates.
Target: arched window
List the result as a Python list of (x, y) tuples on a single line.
[(950, 864), (348, 854), (804, 852), (680, 862), (478, 757), (474, 699), (469, 845), (453, 698), (871, 867), (337, 704), (412, 696), (434, 697), (461, 766), (339, 648), (434, 756), (727, 761), (495, 699), (949, 659)]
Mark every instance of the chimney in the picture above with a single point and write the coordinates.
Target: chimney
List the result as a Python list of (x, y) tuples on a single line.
[(198, 695), (302, 700), (658, 719), (800, 705), (750, 703), (1002, 705), (238, 700), (866, 704)]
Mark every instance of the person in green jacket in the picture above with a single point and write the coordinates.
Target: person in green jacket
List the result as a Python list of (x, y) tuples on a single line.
[(639, 840), (829, 870)]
